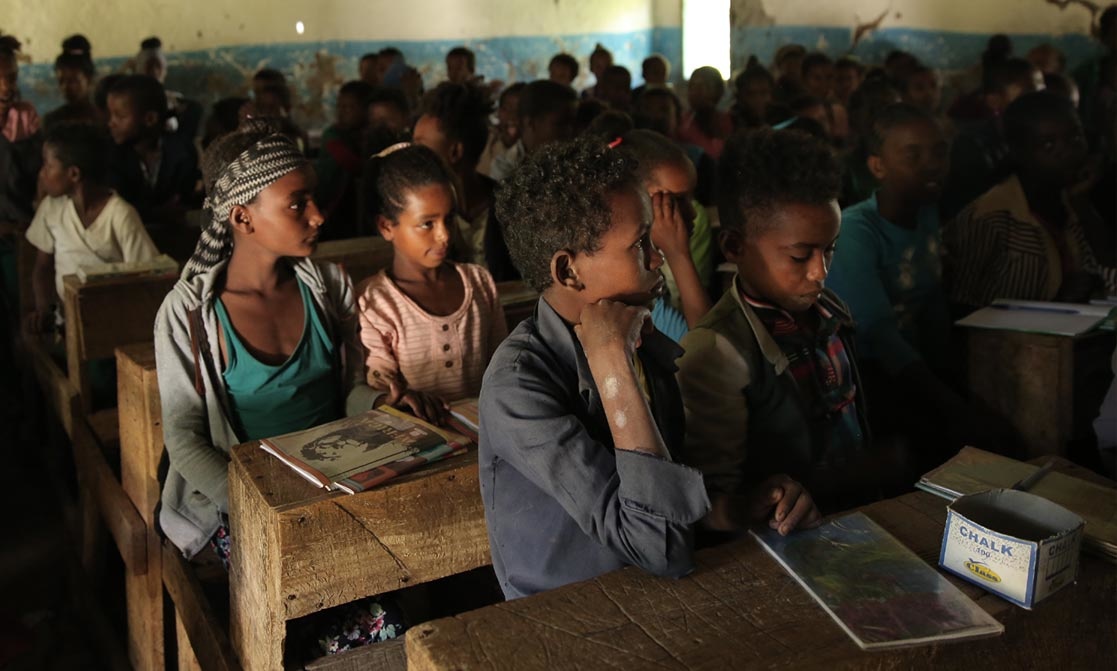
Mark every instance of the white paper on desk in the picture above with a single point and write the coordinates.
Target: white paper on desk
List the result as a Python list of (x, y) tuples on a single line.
[(1069, 319)]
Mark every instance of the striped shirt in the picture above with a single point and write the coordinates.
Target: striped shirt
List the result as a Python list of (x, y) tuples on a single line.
[(445, 356), (998, 248)]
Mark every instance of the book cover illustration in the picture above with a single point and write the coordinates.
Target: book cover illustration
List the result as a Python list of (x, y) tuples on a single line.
[(880, 592), (339, 450)]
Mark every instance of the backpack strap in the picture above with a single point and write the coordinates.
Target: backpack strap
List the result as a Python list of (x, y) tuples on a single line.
[(197, 346)]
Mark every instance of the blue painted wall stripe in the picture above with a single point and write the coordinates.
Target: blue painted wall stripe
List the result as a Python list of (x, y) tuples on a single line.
[(316, 69), (938, 49)]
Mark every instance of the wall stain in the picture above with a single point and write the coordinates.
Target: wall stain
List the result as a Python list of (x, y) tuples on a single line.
[(863, 29)]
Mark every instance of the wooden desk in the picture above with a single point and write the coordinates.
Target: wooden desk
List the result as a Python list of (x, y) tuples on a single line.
[(299, 549), (739, 609), (1049, 387)]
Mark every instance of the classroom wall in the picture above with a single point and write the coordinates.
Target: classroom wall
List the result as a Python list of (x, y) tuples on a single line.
[(945, 34), (213, 48)]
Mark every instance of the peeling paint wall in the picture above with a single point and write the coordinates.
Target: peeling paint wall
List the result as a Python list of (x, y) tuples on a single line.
[(946, 34), (214, 47)]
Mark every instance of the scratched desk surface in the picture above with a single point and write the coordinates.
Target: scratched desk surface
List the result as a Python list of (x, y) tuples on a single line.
[(739, 609)]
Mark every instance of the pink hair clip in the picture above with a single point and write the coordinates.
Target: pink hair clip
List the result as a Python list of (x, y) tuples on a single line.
[(616, 143)]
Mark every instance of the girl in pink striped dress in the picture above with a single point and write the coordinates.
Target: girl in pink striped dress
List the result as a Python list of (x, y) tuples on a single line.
[(429, 325)]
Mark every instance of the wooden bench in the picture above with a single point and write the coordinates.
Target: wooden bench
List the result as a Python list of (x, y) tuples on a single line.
[(740, 609), (201, 637), (1049, 387)]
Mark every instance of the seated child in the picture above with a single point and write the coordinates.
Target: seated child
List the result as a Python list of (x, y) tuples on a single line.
[(389, 119), (1024, 238), (545, 115), (455, 125), (339, 164), (20, 154), (155, 171), (979, 155), (874, 94), (818, 82), (429, 325), (600, 60), (615, 88), (655, 70), (80, 221), (754, 89), (769, 379), (848, 73), (888, 268), (680, 228), (580, 413), (705, 125), (18, 118), (461, 66), (255, 340), (506, 133), (563, 69), (74, 71)]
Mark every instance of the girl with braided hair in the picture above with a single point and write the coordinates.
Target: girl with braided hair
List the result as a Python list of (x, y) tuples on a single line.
[(255, 340)]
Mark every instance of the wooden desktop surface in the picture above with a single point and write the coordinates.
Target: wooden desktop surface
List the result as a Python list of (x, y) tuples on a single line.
[(740, 609)]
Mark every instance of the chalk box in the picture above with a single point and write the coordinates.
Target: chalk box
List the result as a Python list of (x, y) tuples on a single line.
[(1017, 545)]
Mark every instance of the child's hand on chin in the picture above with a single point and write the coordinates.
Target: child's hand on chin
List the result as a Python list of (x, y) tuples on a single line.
[(785, 504), (608, 325)]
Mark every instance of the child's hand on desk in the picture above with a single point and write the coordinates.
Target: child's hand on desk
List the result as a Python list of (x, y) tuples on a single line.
[(426, 407), (786, 504), (610, 327)]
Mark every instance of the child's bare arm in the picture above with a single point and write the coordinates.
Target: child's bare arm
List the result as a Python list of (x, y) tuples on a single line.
[(670, 236), (42, 288), (610, 332)]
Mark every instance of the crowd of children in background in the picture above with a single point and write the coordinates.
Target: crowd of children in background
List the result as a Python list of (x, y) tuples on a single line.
[(854, 213)]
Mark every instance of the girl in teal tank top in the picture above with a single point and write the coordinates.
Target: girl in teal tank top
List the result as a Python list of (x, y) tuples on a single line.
[(298, 394)]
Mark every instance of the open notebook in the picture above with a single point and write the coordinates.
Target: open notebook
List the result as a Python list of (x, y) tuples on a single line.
[(1069, 319)]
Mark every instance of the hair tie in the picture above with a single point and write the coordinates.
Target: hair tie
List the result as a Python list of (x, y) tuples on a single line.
[(388, 151), (616, 143)]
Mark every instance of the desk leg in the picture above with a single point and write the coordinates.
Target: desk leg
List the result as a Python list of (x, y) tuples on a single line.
[(257, 625)]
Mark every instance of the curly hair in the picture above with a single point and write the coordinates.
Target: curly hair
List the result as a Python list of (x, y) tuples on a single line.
[(889, 117), (463, 113), (388, 179), (763, 169), (559, 199)]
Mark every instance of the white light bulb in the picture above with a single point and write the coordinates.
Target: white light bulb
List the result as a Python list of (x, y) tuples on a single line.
[(299, 27)]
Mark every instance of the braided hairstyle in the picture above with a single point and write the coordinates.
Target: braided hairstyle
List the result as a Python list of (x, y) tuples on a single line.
[(216, 241), (395, 172)]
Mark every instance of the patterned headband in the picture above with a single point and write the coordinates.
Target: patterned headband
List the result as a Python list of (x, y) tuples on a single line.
[(250, 173)]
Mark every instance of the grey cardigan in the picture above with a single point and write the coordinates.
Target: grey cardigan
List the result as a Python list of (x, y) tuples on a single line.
[(197, 431)]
